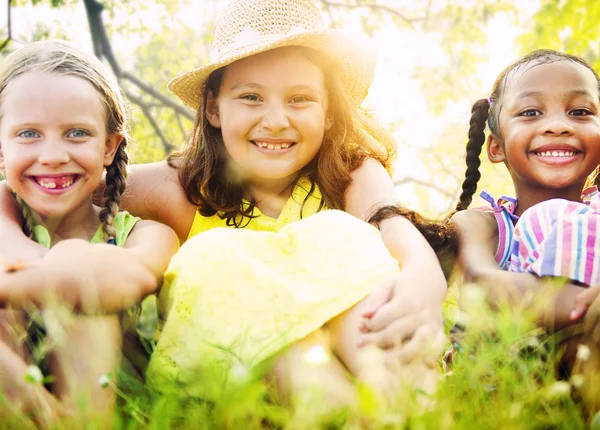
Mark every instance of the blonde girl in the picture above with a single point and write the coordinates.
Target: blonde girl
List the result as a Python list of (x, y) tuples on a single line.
[(279, 137), (62, 124)]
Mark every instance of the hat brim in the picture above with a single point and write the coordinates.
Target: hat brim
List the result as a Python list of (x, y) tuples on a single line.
[(354, 57)]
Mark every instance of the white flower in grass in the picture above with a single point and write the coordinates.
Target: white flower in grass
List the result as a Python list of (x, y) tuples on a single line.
[(577, 381), (558, 390), (317, 355), (239, 372), (104, 380), (583, 352), (34, 375)]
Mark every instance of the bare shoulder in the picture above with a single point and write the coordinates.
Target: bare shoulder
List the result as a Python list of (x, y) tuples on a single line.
[(153, 192), (478, 239), (471, 220), (151, 231)]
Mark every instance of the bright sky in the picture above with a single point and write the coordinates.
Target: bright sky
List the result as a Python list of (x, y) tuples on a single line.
[(394, 94)]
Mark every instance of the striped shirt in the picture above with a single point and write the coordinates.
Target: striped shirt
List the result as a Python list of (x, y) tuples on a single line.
[(559, 238)]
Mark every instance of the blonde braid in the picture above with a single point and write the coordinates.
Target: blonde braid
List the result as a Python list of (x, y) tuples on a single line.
[(116, 174), (28, 221)]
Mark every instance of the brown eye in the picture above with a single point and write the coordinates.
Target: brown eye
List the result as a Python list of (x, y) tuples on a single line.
[(530, 112), (580, 112)]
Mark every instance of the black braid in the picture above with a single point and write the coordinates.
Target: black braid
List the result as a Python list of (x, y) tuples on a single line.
[(479, 116), (116, 174), (440, 235)]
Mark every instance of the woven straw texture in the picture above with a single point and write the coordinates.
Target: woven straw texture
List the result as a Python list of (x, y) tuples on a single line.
[(249, 27)]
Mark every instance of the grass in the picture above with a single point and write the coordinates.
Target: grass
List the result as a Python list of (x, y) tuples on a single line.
[(502, 378)]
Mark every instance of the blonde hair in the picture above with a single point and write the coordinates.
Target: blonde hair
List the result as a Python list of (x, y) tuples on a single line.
[(59, 57)]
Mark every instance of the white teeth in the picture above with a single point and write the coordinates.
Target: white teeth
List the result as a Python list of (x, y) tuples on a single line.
[(51, 184), (272, 146), (556, 153), (48, 183)]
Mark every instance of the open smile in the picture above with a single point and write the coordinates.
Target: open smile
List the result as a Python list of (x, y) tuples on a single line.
[(55, 184), (556, 155), (273, 146)]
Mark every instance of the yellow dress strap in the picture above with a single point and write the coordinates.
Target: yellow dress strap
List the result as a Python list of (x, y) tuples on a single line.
[(306, 200)]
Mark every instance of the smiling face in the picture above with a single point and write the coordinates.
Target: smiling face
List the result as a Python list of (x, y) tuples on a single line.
[(549, 126), (271, 109), (53, 142)]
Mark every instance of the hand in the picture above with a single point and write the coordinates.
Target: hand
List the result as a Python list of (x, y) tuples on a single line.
[(405, 320), (583, 302), (90, 277)]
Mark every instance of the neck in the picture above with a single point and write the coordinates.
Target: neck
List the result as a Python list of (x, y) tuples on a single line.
[(271, 195), (529, 197), (79, 224)]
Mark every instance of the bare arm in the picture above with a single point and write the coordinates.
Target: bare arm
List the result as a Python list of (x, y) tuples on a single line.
[(477, 246), (14, 245), (373, 188), (153, 192), (95, 277), (407, 311)]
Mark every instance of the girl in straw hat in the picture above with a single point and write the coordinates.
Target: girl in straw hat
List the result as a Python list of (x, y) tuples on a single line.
[(279, 138)]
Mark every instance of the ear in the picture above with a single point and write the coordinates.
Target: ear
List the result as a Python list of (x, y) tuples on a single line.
[(110, 148), (212, 111), (328, 123), (495, 149), (1, 158)]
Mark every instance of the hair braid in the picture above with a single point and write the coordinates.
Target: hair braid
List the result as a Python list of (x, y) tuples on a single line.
[(28, 221), (439, 234), (479, 116), (116, 174)]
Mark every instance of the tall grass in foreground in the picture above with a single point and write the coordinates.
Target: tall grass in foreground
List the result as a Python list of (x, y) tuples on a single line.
[(503, 378)]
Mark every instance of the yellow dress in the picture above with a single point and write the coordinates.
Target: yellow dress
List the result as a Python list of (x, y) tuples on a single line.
[(236, 297)]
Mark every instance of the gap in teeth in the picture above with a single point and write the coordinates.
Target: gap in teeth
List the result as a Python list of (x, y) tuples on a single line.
[(272, 146), (51, 184)]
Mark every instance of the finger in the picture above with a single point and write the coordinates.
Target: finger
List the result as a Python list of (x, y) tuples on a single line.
[(392, 335), (424, 345), (376, 299), (582, 302), (387, 314)]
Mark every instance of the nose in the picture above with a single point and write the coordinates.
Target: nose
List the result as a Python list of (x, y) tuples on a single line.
[(275, 117), (53, 152), (557, 125)]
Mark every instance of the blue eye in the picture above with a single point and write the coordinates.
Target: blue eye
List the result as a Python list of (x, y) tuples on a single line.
[(29, 134), (78, 133)]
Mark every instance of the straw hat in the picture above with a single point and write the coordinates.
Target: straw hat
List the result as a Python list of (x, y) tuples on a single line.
[(249, 27)]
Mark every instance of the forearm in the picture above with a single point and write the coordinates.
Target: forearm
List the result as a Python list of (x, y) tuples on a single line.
[(14, 245), (414, 254), (549, 300)]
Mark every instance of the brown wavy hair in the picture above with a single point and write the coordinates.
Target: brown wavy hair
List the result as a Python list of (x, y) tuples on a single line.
[(354, 136)]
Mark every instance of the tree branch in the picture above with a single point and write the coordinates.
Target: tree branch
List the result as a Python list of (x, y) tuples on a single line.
[(409, 179), (168, 147), (187, 113), (387, 9), (9, 35)]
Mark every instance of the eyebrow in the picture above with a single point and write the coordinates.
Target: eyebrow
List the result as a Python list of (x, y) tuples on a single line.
[(258, 86), (570, 93)]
